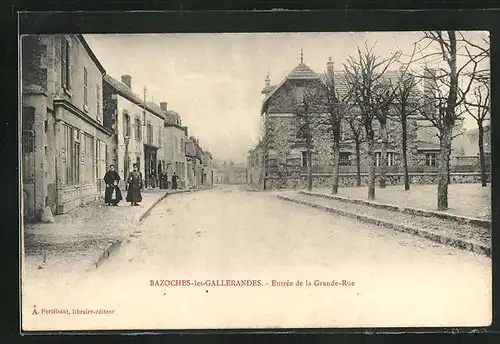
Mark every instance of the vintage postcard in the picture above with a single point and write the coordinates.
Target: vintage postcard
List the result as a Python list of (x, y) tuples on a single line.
[(255, 180)]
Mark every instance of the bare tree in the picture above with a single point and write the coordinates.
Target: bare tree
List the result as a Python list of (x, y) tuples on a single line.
[(335, 108), (354, 121), (384, 96), (406, 103), (371, 95), (268, 135), (479, 109), (447, 97), (307, 108)]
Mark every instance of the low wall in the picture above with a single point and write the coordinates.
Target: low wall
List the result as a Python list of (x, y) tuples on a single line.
[(347, 180)]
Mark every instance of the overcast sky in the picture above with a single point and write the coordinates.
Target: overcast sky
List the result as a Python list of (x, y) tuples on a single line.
[(214, 80)]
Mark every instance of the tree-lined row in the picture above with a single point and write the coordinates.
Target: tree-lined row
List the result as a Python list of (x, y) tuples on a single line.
[(457, 84)]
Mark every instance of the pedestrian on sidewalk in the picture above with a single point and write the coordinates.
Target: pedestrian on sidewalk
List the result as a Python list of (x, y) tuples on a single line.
[(174, 181), (112, 195), (134, 181)]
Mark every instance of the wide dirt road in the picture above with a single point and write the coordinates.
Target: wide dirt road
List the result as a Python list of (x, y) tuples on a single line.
[(395, 279)]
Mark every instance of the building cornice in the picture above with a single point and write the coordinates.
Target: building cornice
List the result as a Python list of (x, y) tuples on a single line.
[(91, 53), (82, 115)]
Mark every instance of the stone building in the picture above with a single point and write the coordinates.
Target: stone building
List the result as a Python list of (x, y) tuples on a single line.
[(174, 143), (65, 144), (231, 173), (191, 164), (208, 169), (137, 128), (285, 163)]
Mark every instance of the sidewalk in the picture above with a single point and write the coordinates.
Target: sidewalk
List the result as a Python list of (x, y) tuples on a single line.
[(466, 236), (469, 200), (83, 238)]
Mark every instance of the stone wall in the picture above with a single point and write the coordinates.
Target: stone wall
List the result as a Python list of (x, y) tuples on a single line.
[(349, 180)]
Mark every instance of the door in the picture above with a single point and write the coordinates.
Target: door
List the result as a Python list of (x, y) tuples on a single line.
[(28, 162)]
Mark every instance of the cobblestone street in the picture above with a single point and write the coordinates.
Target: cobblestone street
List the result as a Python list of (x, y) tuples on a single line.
[(228, 233)]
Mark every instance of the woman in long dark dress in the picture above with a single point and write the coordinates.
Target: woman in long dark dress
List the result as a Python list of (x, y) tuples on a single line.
[(134, 181), (174, 181), (112, 195)]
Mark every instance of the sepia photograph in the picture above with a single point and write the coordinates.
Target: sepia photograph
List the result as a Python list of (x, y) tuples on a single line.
[(181, 181)]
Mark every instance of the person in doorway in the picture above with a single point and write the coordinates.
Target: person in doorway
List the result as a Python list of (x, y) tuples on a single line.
[(112, 195), (134, 182), (175, 178)]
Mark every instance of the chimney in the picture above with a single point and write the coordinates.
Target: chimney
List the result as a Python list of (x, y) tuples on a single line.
[(267, 85), (164, 106), (329, 66), (430, 85), (127, 80)]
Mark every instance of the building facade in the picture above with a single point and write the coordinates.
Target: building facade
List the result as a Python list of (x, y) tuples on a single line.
[(138, 130), (280, 158), (65, 145), (208, 169), (175, 145)]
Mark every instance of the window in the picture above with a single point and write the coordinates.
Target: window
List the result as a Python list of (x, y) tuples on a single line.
[(28, 128), (138, 129), (85, 89), (65, 65), (98, 102), (304, 159), (431, 159), (390, 159), (72, 149), (150, 133), (126, 125), (345, 159)]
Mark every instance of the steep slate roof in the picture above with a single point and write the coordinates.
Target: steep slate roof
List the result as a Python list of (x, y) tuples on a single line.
[(199, 152), (190, 148), (127, 93), (91, 53), (172, 117), (303, 72), (300, 72)]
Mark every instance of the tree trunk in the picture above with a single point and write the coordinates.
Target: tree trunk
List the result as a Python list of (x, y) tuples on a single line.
[(309, 170), (371, 161), (383, 154), (336, 163), (443, 174), (482, 159), (358, 162), (448, 123), (404, 144)]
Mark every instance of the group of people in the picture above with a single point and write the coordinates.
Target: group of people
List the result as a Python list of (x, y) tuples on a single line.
[(113, 195)]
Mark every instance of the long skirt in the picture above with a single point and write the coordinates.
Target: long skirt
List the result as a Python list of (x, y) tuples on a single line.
[(134, 193), (112, 195)]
